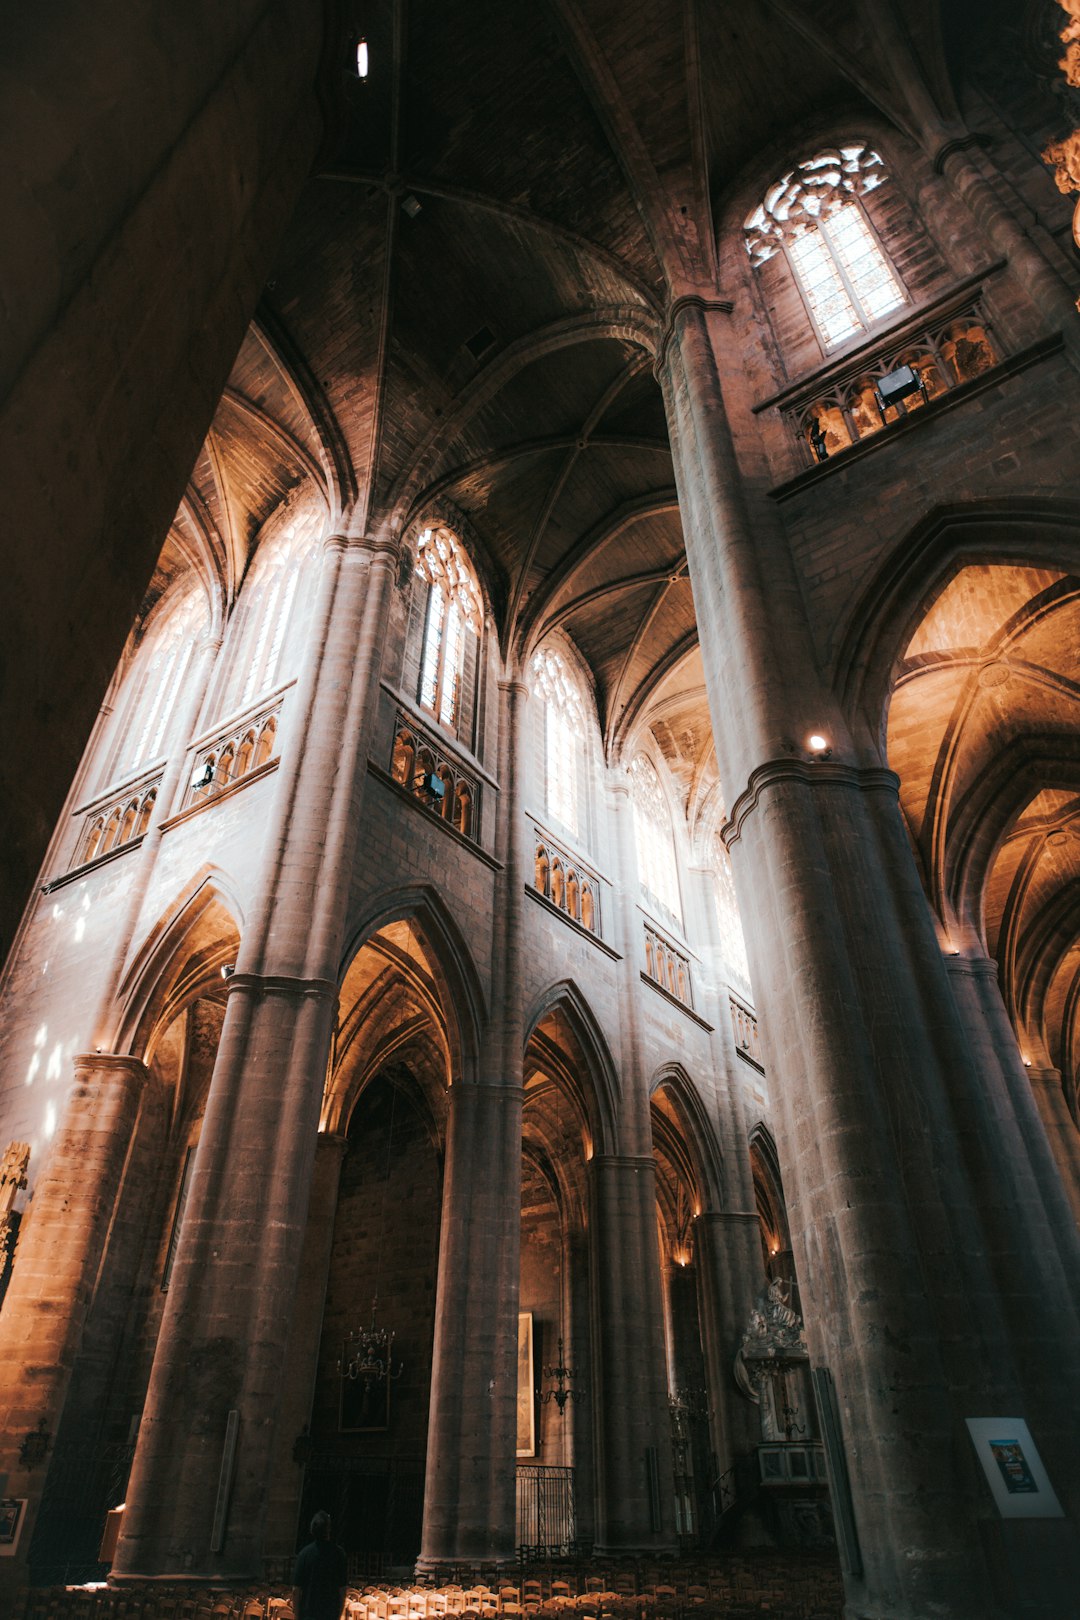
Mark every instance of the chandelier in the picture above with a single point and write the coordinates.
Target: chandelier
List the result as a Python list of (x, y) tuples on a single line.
[(560, 1392), (367, 1354)]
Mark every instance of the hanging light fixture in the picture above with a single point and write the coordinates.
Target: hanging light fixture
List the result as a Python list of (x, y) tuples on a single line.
[(367, 1354), (560, 1391)]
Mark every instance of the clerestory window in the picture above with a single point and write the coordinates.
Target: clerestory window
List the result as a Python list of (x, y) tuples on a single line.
[(814, 216), (564, 737), (452, 624), (653, 837)]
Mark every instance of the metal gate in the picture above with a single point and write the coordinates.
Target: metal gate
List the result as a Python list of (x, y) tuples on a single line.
[(546, 1515)]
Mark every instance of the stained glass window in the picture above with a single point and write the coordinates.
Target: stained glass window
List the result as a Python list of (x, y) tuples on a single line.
[(652, 832), (564, 736), (454, 611), (813, 215)]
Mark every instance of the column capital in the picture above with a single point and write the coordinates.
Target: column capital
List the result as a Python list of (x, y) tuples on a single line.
[(814, 774), (702, 303), (949, 148), (110, 1063), (725, 1216), (282, 984), (975, 967), (514, 686)]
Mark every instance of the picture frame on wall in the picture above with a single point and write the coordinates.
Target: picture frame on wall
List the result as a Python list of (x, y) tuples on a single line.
[(12, 1514), (526, 1392)]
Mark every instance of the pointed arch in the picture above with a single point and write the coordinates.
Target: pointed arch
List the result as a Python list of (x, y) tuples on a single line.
[(706, 1154), (1025, 531), (464, 1001), (181, 954), (600, 1088)]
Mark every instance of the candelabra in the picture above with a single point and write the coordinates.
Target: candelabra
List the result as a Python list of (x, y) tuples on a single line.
[(367, 1354), (560, 1392)]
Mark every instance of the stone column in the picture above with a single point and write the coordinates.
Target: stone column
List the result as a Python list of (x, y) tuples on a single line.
[(631, 1416), (469, 1500), (469, 1491), (913, 1295), (61, 1247), (728, 1249), (1010, 1098), (727, 1240), (1040, 270), (302, 1351), (197, 1498), (1061, 1131)]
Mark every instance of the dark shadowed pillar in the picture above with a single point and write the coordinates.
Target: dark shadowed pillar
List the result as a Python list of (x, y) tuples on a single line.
[(921, 1297), (153, 156), (302, 1351), (197, 1498), (61, 1249), (469, 1490)]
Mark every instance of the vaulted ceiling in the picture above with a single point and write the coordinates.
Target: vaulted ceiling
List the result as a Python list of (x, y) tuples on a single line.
[(465, 311)]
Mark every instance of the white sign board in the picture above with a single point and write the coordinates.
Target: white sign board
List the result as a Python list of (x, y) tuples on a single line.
[(1014, 1468)]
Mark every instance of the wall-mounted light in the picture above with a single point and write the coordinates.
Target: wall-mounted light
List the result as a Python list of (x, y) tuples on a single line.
[(360, 66), (228, 969), (818, 745)]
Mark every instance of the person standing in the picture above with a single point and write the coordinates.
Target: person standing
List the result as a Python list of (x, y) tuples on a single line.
[(319, 1575)]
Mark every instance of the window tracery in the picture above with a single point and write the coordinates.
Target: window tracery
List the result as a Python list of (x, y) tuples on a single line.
[(653, 836), (813, 215), (454, 613), (564, 736)]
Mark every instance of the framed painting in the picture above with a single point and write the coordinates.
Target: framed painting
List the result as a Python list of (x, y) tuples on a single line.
[(526, 1390)]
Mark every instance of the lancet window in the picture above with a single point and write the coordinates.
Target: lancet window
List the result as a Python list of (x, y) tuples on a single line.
[(732, 943), (652, 832), (452, 624), (269, 599), (814, 216), (564, 737), (159, 674)]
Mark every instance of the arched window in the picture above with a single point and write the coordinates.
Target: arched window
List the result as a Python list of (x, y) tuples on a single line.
[(159, 675), (732, 943), (267, 602), (452, 625), (813, 215), (652, 833), (564, 737)]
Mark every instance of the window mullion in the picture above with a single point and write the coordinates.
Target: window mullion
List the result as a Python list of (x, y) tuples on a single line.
[(856, 301)]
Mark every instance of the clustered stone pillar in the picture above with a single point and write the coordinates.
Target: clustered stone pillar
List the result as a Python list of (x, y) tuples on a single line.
[(469, 1495), (61, 1246), (302, 1351), (871, 1070), (727, 1239), (197, 1497), (632, 1425)]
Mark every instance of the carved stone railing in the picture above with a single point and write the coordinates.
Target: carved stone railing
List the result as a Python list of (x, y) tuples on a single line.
[(429, 771), (121, 819), (744, 1024), (567, 882), (667, 966), (236, 752), (833, 412)]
